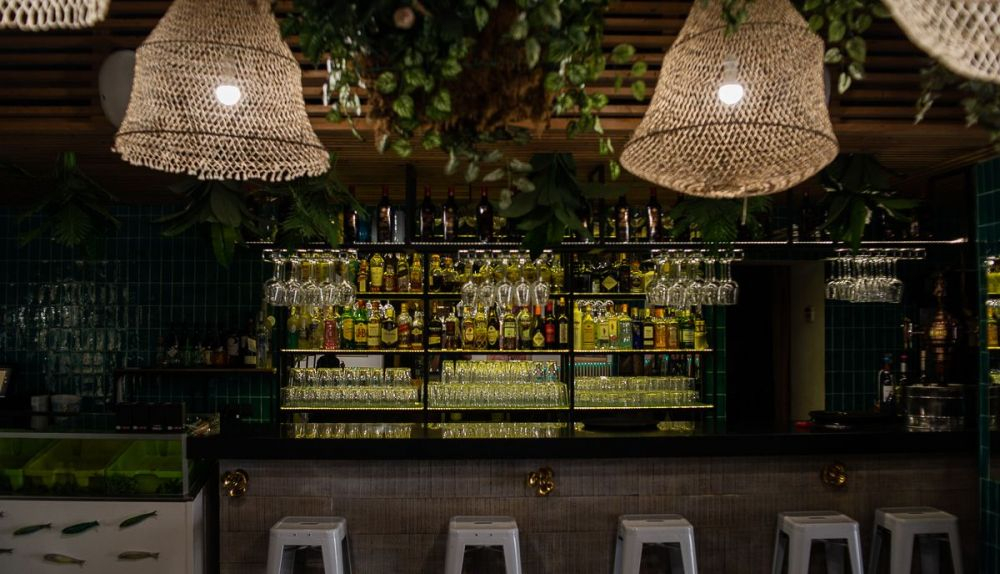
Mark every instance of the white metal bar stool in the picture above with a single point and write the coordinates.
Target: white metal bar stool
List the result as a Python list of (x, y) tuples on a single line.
[(634, 530), (904, 525), (466, 531), (796, 532), (290, 533)]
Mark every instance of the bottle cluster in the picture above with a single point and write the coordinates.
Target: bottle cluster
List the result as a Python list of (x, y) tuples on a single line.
[(364, 325), (599, 325), (247, 346)]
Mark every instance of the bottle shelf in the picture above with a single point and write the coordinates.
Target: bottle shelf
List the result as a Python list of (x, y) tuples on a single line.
[(352, 351), (192, 371), (498, 352), (499, 408), (580, 295), (638, 351), (355, 408), (403, 295), (697, 406)]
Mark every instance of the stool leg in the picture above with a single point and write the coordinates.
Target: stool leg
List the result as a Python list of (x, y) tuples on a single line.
[(688, 554), (876, 550), (277, 562), (834, 557), (333, 561), (798, 554), (854, 550), (902, 554), (454, 556), (618, 555), (632, 555), (930, 554), (955, 547), (780, 546), (512, 556)]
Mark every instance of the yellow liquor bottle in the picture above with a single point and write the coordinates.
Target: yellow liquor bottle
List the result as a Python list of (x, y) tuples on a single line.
[(588, 331), (659, 330), (376, 276)]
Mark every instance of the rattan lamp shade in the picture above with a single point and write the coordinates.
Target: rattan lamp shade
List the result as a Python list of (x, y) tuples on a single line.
[(964, 35), (175, 120), (37, 15), (778, 135)]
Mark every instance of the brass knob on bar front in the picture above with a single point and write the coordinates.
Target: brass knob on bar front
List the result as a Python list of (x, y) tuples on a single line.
[(235, 482), (542, 481), (834, 475)]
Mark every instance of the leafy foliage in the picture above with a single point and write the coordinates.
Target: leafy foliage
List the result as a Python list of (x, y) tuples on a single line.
[(857, 186), (718, 220), (310, 210), (458, 76), (982, 101), (221, 208), (74, 207), (550, 208)]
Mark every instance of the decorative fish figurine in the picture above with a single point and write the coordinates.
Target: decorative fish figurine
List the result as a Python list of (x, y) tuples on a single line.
[(6, 550), (136, 519), (138, 555), (78, 528), (62, 559), (31, 529)]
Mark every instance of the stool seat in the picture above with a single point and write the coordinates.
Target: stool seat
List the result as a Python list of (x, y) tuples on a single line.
[(908, 524), (290, 533), (635, 530), (797, 530), (475, 531)]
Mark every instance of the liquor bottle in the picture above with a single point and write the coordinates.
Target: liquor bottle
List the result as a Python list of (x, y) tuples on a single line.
[(624, 328), (484, 216), (577, 327), (315, 328), (596, 276), (648, 334), (586, 218), (588, 331), (452, 337), (558, 274), (417, 274), (353, 265), (389, 275), (635, 284), (653, 214), (389, 333), (376, 272), (550, 327), (537, 329), (232, 348), (524, 328), (885, 403), (449, 217), (673, 331), (583, 276), (402, 274), (374, 325), (992, 328), (361, 326), (449, 277), (492, 330), (331, 335), (603, 328), (363, 277), (347, 327), (248, 346), (563, 338), (925, 378), (700, 332), (609, 278), (263, 340), (385, 216), (350, 221), (637, 328), (480, 328), (435, 331), (508, 337), (417, 331), (686, 325), (659, 330), (305, 321), (435, 277), (291, 331), (624, 272), (427, 213), (403, 328), (623, 221)]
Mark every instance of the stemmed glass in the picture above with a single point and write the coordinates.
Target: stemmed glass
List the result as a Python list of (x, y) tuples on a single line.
[(328, 288), (345, 289), (275, 291), (729, 290), (522, 289), (295, 295)]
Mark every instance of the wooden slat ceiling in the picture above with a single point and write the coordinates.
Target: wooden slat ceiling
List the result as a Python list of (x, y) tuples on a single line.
[(49, 103)]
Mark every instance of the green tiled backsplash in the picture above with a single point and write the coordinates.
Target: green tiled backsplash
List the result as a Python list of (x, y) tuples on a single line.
[(90, 317), (988, 236), (857, 337)]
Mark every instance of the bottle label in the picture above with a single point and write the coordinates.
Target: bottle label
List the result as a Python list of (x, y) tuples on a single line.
[(609, 283), (348, 327), (538, 341), (376, 277), (469, 334), (374, 335), (390, 336), (390, 283), (563, 333), (492, 335), (361, 332), (434, 339)]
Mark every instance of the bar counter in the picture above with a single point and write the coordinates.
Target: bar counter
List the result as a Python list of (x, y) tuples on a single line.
[(266, 444)]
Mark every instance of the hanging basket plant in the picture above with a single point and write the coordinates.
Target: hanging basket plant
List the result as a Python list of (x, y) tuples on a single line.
[(462, 76)]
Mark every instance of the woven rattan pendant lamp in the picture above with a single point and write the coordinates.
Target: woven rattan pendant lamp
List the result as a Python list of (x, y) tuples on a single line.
[(38, 15), (964, 35), (736, 115), (217, 94)]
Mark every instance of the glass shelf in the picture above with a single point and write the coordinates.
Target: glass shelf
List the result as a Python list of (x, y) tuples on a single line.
[(638, 351), (488, 409), (697, 406), (498, 352), (193, 371), (351, 351), (360, 407)]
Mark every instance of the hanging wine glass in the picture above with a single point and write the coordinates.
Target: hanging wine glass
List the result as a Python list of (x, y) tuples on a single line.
[(275, 289), (522, 289), (295, 294), (328, 288)]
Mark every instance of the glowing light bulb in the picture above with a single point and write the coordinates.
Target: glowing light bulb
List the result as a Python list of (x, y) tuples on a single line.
[(731, 91), (228, 94), (730, 94)]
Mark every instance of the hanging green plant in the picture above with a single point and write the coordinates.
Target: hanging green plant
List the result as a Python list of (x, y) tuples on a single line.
[(981, 103), (460, 76), (718, 220), (221, 208), (73, 207), (857, 187), (309, 210)]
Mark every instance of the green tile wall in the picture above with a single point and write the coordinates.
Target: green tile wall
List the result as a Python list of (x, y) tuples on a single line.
[(143, 287), (857, 337), (988, 236)]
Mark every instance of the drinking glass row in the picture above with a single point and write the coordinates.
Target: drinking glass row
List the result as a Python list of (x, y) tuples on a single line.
[(511, 395), (499, 372), (348, 430), (350, 376), (350, 397), (612, 399), (868, 275), (686, 277), (672, 383)]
